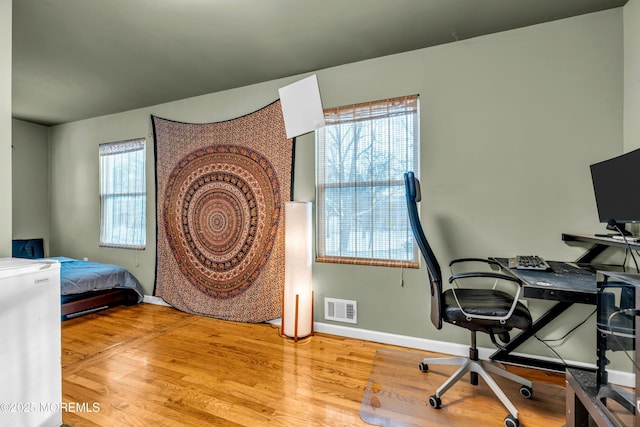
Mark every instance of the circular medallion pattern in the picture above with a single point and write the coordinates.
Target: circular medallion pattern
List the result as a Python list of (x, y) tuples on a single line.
[(221, 215)]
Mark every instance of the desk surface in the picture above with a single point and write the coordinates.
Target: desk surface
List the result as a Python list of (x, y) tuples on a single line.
[(598, 245), (632, 279), (599, 240), (565, 282)]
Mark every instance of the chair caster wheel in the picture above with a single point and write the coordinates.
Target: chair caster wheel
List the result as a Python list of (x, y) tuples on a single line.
[(511, 421), (526, 392), (435, 402), (423, 367)]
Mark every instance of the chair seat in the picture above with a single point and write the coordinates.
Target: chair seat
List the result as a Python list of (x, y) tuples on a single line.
[(484, 302)]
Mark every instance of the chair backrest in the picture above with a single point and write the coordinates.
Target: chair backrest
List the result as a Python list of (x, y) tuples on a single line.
[(412, 190)]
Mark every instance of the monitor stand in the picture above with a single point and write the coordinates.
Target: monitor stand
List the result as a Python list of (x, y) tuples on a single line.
[(620, 228)]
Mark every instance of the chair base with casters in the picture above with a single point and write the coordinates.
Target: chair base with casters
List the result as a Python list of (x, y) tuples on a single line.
[(475, 368)]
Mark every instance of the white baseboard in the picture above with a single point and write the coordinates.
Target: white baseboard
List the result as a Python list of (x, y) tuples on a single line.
[(625, 379), (150, 299)]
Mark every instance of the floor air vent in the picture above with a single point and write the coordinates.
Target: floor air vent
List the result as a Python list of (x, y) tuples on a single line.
[(340, 310)]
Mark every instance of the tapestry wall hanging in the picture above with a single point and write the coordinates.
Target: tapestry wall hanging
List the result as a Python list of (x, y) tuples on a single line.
[(221, 189)]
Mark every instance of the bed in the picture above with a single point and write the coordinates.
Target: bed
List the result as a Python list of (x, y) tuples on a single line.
[(86, 287)]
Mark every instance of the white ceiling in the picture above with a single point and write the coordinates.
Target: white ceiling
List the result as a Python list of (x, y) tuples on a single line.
[(75, 59)]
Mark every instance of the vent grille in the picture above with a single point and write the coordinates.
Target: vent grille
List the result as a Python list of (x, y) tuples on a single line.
[(341, 310)]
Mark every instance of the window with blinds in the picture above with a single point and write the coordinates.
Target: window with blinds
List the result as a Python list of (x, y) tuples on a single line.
[(363, 152), (123, 194)]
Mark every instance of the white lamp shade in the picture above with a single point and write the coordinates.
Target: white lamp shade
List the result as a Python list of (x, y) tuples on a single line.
[(297, 275)]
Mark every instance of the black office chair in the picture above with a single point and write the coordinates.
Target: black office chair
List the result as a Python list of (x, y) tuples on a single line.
[(487, 310)]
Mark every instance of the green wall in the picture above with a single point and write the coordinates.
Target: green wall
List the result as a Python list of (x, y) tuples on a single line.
[(530, 107), (30, 176), (5, 127), (631, 75)]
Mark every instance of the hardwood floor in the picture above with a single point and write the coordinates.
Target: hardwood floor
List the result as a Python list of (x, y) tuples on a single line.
[(150, 365)]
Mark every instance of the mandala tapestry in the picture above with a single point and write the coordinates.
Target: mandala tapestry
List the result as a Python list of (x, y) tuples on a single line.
[(221, 189)]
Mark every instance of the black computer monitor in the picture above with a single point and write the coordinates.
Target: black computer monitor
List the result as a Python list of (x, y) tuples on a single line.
[(616, 183)]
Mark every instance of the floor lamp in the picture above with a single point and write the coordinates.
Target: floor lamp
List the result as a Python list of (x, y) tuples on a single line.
[(297, 300)]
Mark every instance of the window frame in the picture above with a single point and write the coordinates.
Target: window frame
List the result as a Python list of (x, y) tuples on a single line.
[(139, 191), (386, 109)]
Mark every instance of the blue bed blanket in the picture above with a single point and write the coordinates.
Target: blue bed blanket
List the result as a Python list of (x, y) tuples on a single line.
[(77, 277)]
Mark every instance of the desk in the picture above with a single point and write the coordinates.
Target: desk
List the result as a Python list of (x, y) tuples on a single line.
[(567, 284)]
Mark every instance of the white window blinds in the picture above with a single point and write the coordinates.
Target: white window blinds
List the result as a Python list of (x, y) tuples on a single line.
[(363, 152), (123, 194)]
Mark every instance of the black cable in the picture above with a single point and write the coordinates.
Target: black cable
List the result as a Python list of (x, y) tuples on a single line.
[(495, 342), (562, 338), (546, 340), (636, 252), (635, 311), (614, 224), (552, 349)]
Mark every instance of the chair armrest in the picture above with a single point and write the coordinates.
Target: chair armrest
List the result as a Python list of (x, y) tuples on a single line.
[(454, 277), (485, 260), (491, 275)]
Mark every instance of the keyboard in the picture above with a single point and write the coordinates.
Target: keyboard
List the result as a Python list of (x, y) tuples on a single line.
[(528, 262)]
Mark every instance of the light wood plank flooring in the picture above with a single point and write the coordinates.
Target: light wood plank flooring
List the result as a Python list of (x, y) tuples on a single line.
[(150, 365)]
